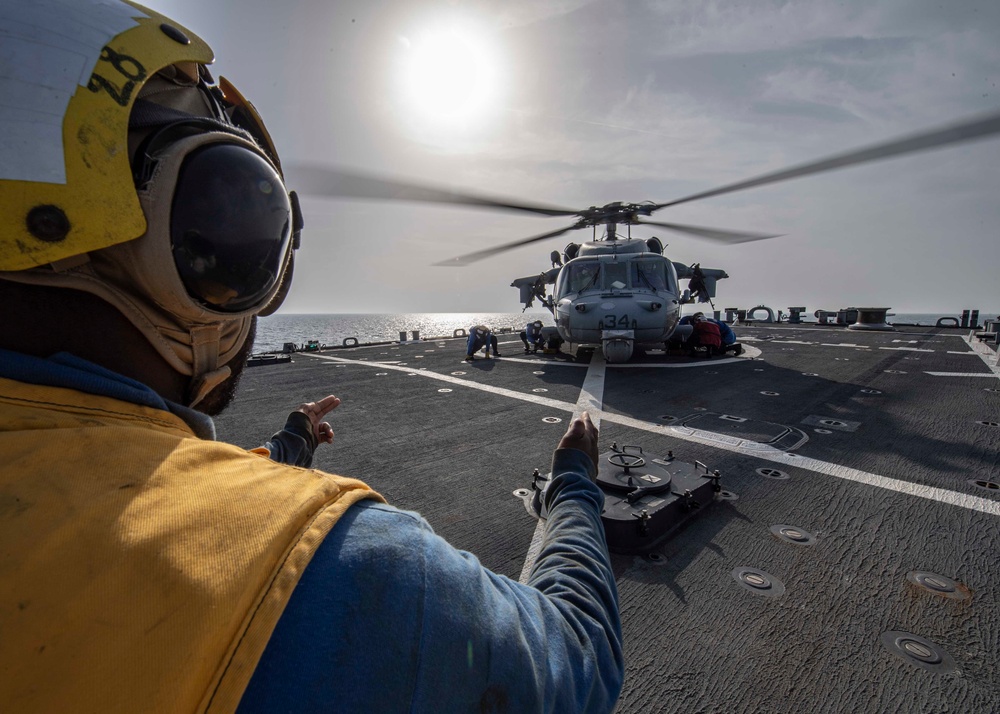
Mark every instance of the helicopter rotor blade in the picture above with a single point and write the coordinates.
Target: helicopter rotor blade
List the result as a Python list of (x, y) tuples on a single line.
[(963, 131), (463, 260), (716, 234), (339, 183)]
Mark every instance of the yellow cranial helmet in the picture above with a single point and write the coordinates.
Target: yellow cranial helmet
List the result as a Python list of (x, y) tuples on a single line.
[(65, 182), (127, 172)]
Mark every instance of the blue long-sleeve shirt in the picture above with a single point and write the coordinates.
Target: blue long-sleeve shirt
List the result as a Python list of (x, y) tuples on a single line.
[(725, 332), (479, 337), (389, 617)]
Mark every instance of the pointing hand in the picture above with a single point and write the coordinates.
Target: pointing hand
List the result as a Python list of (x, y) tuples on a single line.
[(316, 411), (581, 435)]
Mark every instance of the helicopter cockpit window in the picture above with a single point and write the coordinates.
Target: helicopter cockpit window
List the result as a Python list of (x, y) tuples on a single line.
[(615, 276), (649, 274), (582, 275)]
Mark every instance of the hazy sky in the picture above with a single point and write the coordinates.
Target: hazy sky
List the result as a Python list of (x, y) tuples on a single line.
[(580, 103)]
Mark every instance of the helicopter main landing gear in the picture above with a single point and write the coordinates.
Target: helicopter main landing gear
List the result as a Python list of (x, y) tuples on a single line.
[(645, 498)]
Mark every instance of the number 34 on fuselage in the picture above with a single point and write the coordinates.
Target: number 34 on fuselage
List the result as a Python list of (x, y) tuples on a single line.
[(618, 294)]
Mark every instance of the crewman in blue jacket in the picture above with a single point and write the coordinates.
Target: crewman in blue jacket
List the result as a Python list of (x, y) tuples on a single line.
[(531, 336), (149, 567), (729, 343), (480, 336)]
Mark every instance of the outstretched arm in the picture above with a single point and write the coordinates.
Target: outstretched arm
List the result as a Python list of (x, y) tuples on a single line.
[(389, 616), (304, 431)]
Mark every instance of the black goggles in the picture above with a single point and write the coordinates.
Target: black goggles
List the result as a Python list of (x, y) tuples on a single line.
[(231, 227)]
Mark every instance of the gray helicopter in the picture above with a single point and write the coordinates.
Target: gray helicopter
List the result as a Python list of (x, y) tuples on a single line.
[(621, 292)]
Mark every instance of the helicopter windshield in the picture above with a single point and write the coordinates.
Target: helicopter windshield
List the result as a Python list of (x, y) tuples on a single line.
[(615, 275), (649, 274), (582, 275)]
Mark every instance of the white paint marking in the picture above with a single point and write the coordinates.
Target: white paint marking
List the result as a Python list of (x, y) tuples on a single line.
[(962, 374), (536, 362), (591, 401), (769, 453), (985, 353), (525, 397), (684, 365), (844, 344), (906, 349), (707, 438)]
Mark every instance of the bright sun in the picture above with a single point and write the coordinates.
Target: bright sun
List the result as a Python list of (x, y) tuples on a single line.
[(449, 76)]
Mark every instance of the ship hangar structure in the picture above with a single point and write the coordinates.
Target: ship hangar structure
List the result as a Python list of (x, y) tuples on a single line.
[(844, 558)]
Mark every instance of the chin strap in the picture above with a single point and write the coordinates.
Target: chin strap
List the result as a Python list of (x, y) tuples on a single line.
[(207, 375), (204, 384)]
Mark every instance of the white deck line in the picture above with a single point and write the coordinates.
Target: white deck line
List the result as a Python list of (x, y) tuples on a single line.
[(961, 374), (990, 358), (769, 453), (707, 438), (591, 401), (906, 349)]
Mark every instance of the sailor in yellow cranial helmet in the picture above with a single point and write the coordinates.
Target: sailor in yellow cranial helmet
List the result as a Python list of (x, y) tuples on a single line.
[(126, 172), (144, 224)]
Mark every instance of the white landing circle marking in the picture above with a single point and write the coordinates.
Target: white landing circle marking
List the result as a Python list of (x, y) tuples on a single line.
[(540, 389), (551, 420), (548, 363), (444, 390)]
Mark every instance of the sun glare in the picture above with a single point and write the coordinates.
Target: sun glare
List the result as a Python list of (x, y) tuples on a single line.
[(448, 76)]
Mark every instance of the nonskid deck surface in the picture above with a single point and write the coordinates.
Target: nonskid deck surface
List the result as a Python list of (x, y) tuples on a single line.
[(868, 443)]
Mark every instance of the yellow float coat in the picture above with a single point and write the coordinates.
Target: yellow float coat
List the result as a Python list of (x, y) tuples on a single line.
[(142, 569)]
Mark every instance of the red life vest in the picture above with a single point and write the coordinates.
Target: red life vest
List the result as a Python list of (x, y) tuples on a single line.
[(707, 333)]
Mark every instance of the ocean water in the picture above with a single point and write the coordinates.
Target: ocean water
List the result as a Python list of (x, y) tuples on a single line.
[(274, 331)]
